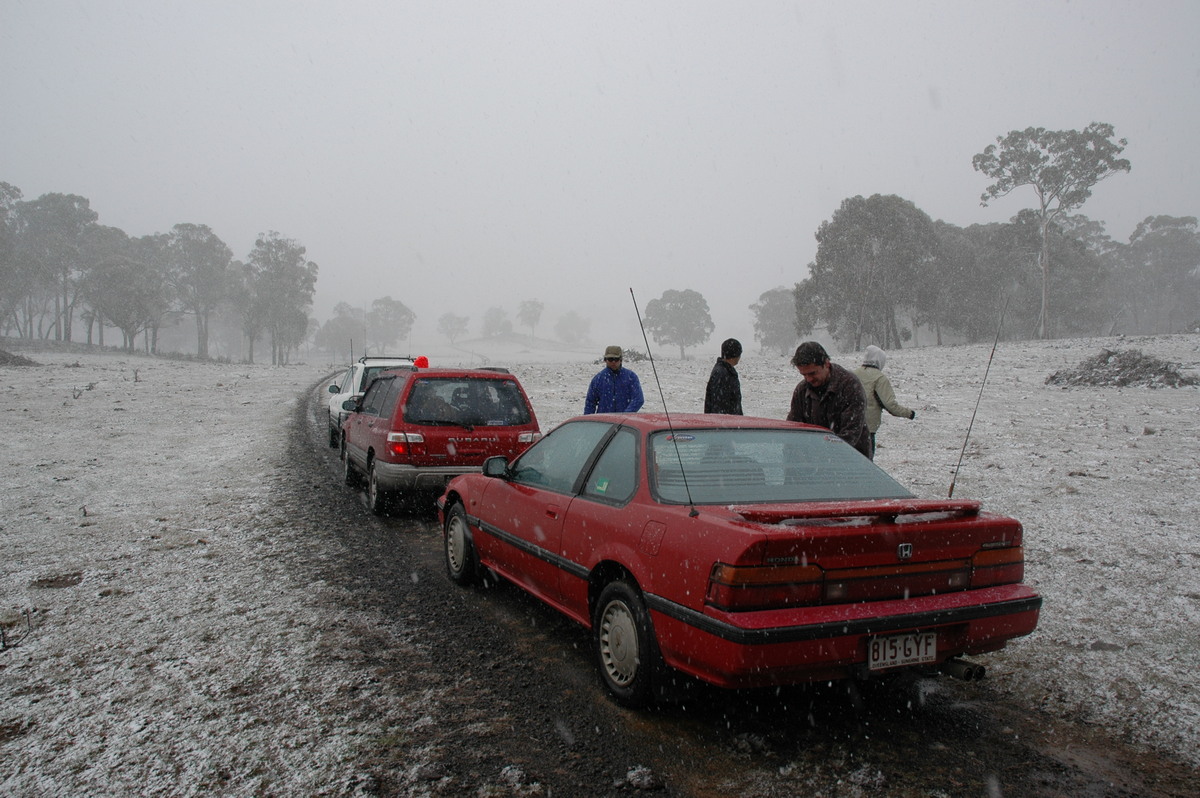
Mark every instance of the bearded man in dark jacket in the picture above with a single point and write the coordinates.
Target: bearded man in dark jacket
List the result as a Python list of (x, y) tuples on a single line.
[(829, 396), (724, 391)]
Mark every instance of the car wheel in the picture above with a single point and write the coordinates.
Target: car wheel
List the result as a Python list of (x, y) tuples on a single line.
[(625, 646), (461, 564), (335, 434), (377, 499), (348, 472)]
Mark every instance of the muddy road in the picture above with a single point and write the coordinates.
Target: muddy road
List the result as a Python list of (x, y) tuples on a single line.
[(520, 710)]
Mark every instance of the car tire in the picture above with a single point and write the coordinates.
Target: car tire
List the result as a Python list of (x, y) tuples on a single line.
[(348, 473), (377, 498), (462, 565), (625, 647)]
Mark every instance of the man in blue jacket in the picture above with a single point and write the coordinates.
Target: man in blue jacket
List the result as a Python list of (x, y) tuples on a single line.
[(614, 389)]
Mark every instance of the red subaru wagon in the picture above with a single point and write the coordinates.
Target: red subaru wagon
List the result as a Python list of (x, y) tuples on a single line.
[(415, 429), (746, 552)]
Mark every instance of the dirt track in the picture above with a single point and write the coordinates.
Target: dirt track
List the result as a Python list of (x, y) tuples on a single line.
[(518, 710)]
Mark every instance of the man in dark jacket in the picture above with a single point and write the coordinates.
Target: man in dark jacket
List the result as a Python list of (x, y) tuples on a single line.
[(829, 396), (724, 391)]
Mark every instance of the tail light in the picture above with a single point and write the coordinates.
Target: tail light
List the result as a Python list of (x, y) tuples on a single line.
[(529, 437), (998, 566), (896, 581), (738, 588), (405, 444)]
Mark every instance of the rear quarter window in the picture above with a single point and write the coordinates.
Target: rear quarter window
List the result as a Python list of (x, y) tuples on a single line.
[(374, 401)]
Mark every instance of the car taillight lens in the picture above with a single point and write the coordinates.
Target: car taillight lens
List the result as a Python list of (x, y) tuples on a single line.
[(402, 444), (529, 437), (998, 566), (896, 581), (738, 588)]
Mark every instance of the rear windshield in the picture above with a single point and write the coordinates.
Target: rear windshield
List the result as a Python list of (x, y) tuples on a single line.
[(466, 401), (757, 466)]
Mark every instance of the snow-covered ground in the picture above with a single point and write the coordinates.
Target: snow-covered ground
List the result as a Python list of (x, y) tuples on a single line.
[(135, 532)]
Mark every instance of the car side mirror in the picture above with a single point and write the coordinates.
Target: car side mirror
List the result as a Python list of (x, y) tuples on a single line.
[(351, 404), (334, 388), (495, 466)]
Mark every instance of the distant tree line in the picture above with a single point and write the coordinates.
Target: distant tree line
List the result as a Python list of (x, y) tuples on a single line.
[(61, 270), (570, 328), (884, 273), (884, 270), (356, 331)]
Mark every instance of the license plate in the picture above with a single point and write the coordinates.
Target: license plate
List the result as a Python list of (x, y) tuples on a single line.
[(896, 650)]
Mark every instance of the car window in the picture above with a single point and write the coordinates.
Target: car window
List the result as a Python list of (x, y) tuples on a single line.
[(747, 466), (614, 477), (369, 373), (373, 400), (429, 402), (347, 385), (387, 403), (498, 403), (556, 461), (467, 401)]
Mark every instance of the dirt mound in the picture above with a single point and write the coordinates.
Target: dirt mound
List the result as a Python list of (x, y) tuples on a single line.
[(9, 359), (1121, 369)]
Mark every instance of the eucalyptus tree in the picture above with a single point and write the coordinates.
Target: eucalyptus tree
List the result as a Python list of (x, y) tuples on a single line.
[(871, 256), (15, 276), (345, 331), (161, 296), (971, 279), (1008, 260), (127, 284), (775, 320), (1062, 167), (1162, 274), (680, 318), (200, 267), (389, 321), (571, 328), (248, 304), (453, 326), (103, 246), (51, 236), (281, 284), (496, 323), (529, 313)]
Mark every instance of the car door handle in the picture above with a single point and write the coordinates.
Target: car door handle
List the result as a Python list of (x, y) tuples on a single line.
[(552, 512)]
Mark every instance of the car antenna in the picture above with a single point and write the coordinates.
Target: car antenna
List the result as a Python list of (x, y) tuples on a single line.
[(682, 471), (999, 325)]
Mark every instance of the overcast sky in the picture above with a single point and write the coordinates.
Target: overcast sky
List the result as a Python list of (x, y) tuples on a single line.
[(463, 155)]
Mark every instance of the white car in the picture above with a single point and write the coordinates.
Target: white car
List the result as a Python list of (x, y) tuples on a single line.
[(353, 382)]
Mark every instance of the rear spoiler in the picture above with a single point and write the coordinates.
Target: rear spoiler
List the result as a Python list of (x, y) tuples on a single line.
[(884, 509)]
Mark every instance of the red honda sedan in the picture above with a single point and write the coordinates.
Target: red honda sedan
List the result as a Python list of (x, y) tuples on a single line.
[(745, 552)]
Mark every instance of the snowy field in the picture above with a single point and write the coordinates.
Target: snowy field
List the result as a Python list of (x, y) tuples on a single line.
[(149, 597)]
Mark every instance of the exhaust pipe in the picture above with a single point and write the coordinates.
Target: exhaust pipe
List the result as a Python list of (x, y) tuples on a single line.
[(961, 669)]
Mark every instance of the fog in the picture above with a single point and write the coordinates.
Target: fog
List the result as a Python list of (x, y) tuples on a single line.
[(460, 156)]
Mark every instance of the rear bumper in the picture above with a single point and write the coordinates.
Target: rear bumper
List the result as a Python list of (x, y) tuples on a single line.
[(396, 477), (782, 647)]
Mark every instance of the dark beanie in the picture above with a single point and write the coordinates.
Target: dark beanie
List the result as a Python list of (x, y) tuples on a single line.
[(732, 347)]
